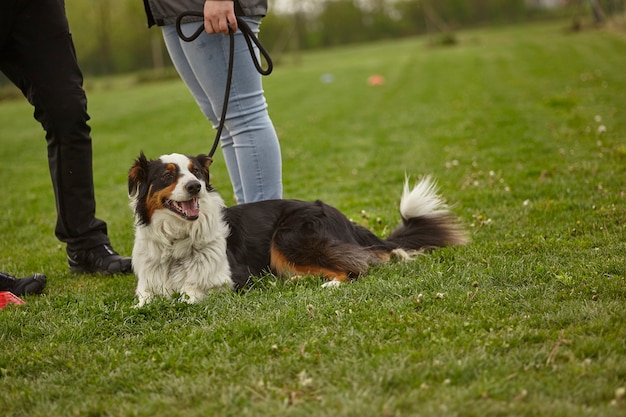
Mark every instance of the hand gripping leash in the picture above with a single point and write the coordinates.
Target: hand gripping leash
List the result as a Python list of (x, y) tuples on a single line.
[(250, 39)]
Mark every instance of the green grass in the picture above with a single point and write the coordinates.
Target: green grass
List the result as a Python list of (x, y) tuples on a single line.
[(525, 130)]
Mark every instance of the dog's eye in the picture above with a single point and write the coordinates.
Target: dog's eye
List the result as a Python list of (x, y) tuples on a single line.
[(168, 176), (196, 171)]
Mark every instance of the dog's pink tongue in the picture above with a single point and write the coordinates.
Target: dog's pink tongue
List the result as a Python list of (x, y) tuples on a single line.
[(191, 207)]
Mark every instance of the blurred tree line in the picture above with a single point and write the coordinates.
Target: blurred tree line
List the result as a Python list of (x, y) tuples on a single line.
[(111, 36)]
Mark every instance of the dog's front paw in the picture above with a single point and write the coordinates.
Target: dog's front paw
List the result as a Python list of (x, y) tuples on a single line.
[(332, 284), (192, 296), (143, 298)]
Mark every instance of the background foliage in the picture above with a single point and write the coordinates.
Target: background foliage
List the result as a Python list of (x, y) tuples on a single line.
[(111, 36)]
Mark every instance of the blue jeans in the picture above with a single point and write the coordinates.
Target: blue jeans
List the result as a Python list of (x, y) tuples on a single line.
[(249, 142)]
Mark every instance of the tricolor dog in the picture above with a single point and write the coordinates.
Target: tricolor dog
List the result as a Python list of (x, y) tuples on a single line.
[(187, 242)]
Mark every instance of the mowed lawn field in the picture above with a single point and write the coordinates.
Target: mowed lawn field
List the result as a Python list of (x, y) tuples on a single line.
[(523, 127)]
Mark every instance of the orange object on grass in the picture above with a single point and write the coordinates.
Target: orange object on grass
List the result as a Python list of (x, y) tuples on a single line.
[(7, 297), (376, 80)]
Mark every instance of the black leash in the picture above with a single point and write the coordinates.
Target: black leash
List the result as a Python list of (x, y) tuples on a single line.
[(250, 38)]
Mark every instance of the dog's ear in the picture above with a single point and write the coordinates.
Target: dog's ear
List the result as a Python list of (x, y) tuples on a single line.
[(137, 174), (205, 162)]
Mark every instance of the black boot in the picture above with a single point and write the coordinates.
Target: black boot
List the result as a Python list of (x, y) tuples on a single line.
[(33, 284), (99, 260)]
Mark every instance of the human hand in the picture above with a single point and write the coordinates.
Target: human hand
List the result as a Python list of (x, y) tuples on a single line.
[(218, 14)]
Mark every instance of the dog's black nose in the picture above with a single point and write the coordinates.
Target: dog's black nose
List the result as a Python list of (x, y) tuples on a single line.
[(193, 187)]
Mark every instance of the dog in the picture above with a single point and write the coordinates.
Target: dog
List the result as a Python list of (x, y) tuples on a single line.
[(187, 242)]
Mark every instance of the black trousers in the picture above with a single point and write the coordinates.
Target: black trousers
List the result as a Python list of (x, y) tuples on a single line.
[(37, 54)]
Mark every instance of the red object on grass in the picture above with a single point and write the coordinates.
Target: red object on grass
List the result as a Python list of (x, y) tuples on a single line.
[(375, 80), (7, 297)]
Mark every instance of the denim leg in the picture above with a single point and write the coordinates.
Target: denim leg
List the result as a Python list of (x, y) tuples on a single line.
[(249, 142)]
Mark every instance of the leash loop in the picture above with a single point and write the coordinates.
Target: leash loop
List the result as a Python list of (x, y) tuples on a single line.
[(250, 39)]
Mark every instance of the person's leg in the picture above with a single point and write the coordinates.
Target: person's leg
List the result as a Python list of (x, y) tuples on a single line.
[(42, 64), (177, 55), (39, 57), (8, 10), (249, 138)]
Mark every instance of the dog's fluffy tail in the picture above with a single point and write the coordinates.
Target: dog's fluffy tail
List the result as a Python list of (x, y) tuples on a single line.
[(426, 220)]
